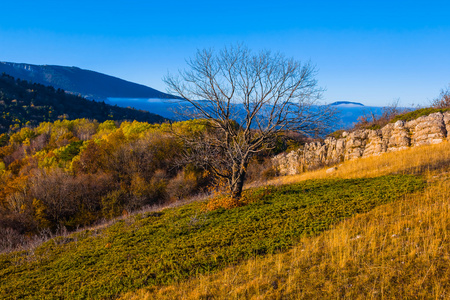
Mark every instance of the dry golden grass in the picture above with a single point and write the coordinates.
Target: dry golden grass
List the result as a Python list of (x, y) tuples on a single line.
[(396, 251)]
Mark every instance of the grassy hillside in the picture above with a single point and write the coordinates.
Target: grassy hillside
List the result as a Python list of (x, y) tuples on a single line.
[(400, 250), (396, 251), (172, 245), (356, 233)]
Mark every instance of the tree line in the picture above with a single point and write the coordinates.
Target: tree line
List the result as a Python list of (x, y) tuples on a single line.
[(25, 103)]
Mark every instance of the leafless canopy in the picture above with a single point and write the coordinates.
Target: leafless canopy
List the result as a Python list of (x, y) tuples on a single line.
[(248, 99)]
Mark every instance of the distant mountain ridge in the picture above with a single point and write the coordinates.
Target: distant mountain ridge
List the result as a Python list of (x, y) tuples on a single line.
[(346, 103), (86, 83), (24, 103)]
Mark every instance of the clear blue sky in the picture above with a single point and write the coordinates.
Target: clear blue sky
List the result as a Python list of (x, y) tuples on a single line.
[(368, 51)]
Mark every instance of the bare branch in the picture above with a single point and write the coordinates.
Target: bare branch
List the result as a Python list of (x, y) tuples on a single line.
[(248, 99)]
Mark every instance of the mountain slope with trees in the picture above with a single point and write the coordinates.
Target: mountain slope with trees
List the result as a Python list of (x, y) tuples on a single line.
[(86, 83), (25, 103)]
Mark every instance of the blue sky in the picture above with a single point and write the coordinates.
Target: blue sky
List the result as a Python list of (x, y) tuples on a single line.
[(373, 52)]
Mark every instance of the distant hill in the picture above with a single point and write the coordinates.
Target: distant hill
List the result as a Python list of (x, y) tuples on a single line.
[(346, 103), (89, 84), (25, 103)]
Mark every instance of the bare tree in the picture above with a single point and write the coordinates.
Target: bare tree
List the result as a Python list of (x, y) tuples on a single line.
[(247, 99), (370, 120), (443, 101)]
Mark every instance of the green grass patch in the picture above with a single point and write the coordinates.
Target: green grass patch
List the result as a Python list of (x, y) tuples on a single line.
[(337, 134), (412, 115), (164, 247)]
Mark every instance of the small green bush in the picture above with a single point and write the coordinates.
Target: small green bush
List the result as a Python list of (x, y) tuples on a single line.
[(337, 134)]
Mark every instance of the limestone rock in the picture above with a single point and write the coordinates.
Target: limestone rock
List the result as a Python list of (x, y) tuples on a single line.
[(447, 122), (355, 144), (331, 170), (287, 163), (430, 129), (375, 143)]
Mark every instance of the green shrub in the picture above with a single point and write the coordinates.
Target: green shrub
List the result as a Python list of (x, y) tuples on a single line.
[(337, 134), (418, 113), (4, 138), (113, 204), (70, 151)]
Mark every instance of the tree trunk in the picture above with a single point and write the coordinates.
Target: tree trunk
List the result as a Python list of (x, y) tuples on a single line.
[(238, 180), (236, 190)]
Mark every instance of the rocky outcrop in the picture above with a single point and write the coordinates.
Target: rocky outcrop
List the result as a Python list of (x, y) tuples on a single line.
[(430, 129)]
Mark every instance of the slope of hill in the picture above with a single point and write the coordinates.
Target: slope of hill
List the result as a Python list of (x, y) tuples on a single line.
[(89, 84), (396, 251), (24, 103), (157, 248), (349, 234), (376, 227)]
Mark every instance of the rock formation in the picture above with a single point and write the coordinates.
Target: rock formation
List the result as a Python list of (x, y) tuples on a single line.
[(431, 129)]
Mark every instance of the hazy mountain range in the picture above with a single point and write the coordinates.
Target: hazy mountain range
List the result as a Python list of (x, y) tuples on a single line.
[(347, 104), (116, 91), (86, 83), (349, 112)]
